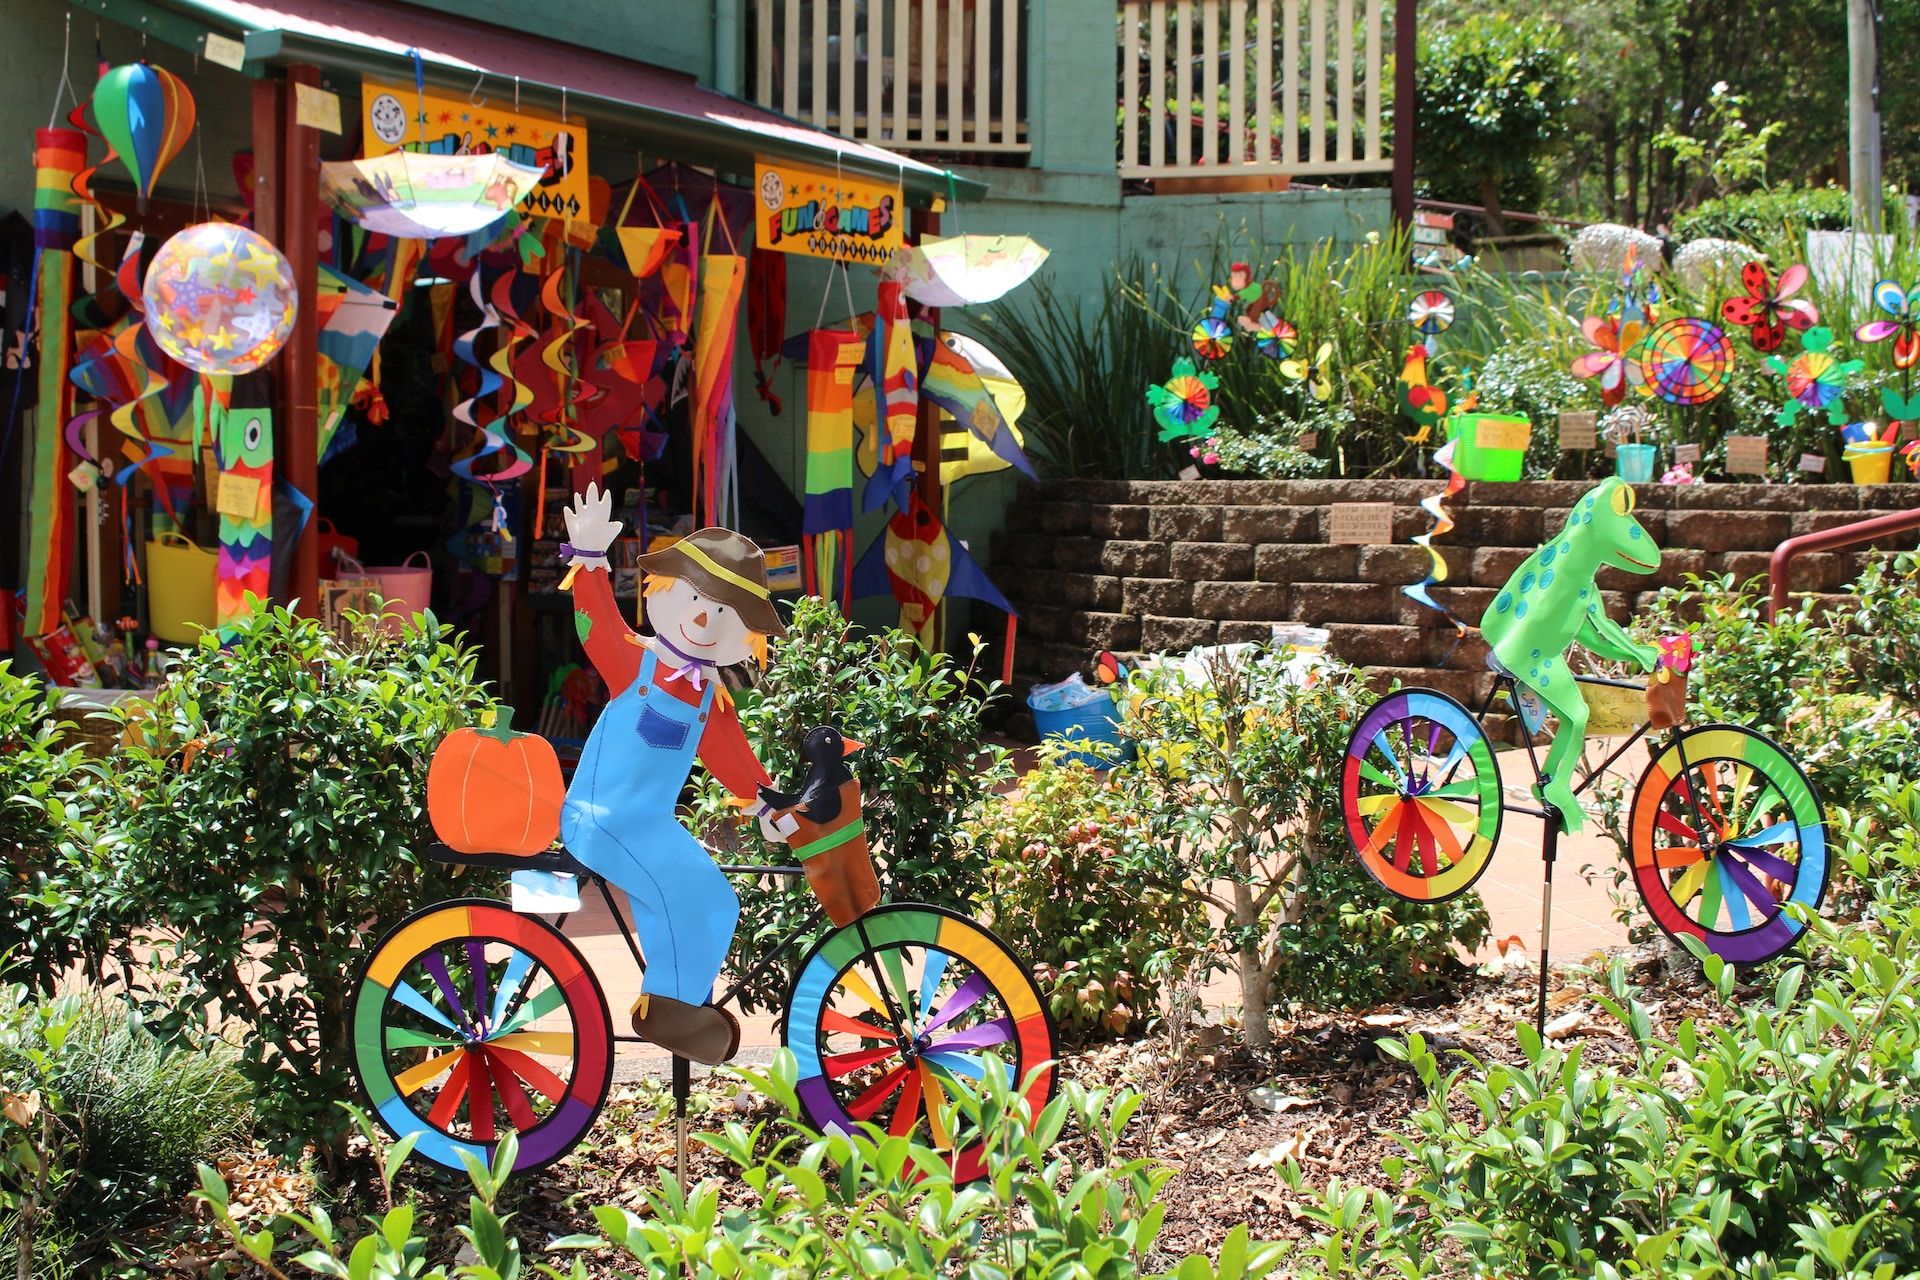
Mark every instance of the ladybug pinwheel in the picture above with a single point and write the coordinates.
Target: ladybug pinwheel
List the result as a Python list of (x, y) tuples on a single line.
[(1766, 310)]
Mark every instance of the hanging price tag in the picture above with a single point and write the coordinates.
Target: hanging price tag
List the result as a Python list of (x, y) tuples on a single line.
[(1366, 523), (224, 51), (237, 496), (315, 108), (783, 568)]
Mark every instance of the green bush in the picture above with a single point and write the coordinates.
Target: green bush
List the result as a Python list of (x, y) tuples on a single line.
[(1883, 631), (1489, 94), (1055, 887), (1239, 777), (844, 1207), (39, 827), (923, 773), (271, 817), (1761, 217)]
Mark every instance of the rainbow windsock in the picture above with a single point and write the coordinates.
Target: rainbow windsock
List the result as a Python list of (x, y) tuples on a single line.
[(243, 495), (833, 356), (58, 157)]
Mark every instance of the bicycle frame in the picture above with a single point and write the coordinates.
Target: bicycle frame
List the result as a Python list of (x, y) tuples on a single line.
[(1506, 682)]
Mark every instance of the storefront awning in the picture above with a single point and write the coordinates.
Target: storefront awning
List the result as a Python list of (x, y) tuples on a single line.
[(670, 113)]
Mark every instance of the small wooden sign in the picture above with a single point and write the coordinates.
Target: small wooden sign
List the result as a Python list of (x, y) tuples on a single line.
[(1308, 441), (1365, 523), (1814, 463), (1689, 453), (1747, 455), (1189, 473), (1579, 430)]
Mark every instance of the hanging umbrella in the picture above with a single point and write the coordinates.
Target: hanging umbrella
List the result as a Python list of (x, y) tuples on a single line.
[(962, 270), (416, 196)]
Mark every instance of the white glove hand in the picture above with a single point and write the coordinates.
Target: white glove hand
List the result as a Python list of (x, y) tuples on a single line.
[(771, 833), (591, 528)]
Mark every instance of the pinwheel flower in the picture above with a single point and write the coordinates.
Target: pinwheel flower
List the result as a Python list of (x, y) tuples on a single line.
[(1315, 372), (1766, 311), (1431, 312), (1274, 336), (1904, 306), (1212, 337), (1183, 404), (1816, 379), (1614, 363)]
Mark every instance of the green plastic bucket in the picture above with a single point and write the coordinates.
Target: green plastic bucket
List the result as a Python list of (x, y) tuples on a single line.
[(1489, 446)]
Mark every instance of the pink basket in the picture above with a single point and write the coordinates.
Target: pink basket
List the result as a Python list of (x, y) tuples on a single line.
[(405, 588)]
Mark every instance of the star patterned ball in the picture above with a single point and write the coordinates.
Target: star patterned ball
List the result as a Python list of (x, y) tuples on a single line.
[(220, 298)]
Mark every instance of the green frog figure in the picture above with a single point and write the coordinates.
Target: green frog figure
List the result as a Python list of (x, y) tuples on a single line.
[(1550, 604)]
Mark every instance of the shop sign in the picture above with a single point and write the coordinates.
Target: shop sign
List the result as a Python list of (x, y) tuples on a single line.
[(822, 214)]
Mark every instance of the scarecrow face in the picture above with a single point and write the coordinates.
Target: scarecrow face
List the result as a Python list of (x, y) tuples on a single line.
[(698, 625)]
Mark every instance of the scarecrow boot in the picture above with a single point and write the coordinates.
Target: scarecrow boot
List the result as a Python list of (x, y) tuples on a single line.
[(701, 1032)]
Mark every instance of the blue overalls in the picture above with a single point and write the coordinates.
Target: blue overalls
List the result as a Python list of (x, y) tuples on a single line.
[(619, 822)]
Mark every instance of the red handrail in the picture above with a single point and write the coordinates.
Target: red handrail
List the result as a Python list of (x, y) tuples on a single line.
[(1845, 535)]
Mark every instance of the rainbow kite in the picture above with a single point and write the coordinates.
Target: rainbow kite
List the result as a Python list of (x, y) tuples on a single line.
[(58, 157), (833, 355)]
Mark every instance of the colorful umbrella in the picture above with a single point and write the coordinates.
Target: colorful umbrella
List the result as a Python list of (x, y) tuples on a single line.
[(417, 196), (1431, 312), (1767, 311), (1687, 361), (146, 114), (1904, 306), (962, 270), (1183, 404)]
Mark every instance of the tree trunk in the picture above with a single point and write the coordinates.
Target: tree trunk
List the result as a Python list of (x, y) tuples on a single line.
[(1255, 1032), (1490, 201), (1610, 167)]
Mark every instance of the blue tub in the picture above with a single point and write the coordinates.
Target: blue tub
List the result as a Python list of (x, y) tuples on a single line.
[(1094, 724)]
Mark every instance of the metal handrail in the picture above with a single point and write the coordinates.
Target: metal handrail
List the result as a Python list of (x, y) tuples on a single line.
[(1845, 535)]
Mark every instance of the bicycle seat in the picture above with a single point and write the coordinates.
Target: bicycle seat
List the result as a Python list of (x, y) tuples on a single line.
[(550, 860)]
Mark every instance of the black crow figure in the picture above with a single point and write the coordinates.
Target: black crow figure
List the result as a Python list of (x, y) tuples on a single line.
[(818, 799)]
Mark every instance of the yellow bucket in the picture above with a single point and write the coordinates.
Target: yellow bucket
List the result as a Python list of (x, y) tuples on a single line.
[(180, 576), (1871, 467)]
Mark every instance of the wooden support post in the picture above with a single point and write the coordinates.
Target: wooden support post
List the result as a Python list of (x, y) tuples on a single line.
[(926, 432), (297, 449), (1405, 56)]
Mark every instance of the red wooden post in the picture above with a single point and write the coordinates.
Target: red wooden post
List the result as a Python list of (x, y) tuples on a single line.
[(1405, 56), (297, 448)]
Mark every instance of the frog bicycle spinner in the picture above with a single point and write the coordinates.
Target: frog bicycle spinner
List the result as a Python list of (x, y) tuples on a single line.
[(472, 1020)]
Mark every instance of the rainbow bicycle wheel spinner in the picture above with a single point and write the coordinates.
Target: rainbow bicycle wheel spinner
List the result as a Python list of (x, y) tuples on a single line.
[(471, 1022), (1687, 361), (888, 1016), (1421, 795), (1725, 830)]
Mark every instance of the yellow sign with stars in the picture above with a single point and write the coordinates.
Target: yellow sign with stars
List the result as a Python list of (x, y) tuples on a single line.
[(821, 214), (396, 118)]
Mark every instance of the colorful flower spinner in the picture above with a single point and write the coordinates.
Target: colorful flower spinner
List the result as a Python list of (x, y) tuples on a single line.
[(1183, 404), (1687, 361), (220, 299)]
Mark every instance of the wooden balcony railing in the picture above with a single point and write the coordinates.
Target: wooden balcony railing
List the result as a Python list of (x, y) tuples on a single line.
[(1225, 87), (912, 75)]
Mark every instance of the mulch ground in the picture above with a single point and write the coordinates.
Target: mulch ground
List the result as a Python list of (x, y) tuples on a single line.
[(1221, 1117)]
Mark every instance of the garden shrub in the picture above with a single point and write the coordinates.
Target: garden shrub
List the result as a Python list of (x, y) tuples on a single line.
[(1759, 217), (843, 1207), (1489, 95), (923, 772), (1239, 775), (1883, 630), (272, 817), (39, 830), (1055, 886)]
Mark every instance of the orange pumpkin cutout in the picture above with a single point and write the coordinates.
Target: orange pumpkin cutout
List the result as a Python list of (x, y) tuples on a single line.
[(495, 791)]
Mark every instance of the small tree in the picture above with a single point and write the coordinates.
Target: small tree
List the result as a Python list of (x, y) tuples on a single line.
[(1241, 776), (1489, 95), (38, 832), (273, 805)]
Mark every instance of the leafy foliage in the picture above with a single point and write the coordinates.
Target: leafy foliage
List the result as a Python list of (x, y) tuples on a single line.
[(40, 827), (271, 815), (1489, 95), (923, 772), (1057, 889), (840, 1207), (1768, 215), (1238, 775)]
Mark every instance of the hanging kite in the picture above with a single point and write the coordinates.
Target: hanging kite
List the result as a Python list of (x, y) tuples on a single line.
[(353, 318), (826, 520), (918, 561), (243, 495), (950, 380), (892, 368)]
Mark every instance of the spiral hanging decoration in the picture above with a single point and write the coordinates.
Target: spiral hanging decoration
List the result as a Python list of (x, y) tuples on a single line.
[(497, 438)]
